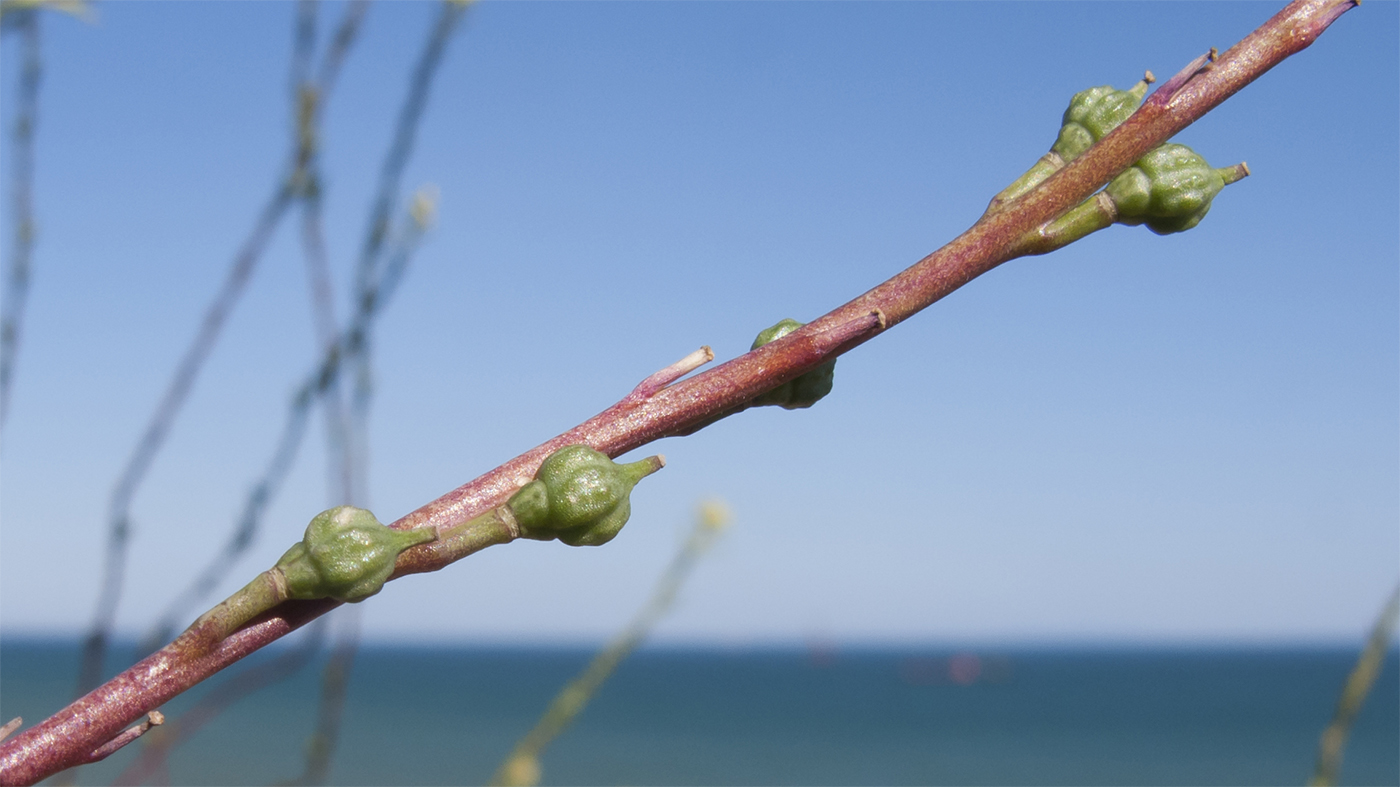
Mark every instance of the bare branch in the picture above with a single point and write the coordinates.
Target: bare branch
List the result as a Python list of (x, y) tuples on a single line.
[(63, 740)]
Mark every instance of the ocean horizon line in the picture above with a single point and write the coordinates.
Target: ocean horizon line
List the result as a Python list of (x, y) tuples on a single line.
[(813, 644)]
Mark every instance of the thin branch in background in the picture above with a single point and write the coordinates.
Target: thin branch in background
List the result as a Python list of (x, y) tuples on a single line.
[(61, 740), (1358, 685), (321, 745), (308, 99), (374, 285), (341, 473), (181, 609), (367, 273), (335, 675), (25, 24), (349, 437), (401, 145), (95, 645), (155, 755), (317, 379), (345, 35), (119, 507), (522, 767), (335, 682), (303, 44)]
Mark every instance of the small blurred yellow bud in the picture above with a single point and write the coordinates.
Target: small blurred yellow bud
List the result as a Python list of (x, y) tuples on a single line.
[(715, 515), (423, 210), (522, 770)]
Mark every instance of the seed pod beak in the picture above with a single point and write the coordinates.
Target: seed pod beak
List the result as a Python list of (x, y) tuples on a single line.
[(634, 472)]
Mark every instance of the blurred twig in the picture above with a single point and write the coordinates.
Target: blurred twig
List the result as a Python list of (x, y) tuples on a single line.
[(22, 17), (119, 507), (317, 379), (309, 97), (522, 767), (290, 188), (374, 279), (1358, 685), (180, 609), (323, 377), (25, 24), (368, 273), (335, 682)]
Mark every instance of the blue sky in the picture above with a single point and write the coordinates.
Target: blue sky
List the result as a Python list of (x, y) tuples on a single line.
[(1135, 439)]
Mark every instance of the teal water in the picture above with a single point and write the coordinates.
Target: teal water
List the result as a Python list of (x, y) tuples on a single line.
[(1068, 716)]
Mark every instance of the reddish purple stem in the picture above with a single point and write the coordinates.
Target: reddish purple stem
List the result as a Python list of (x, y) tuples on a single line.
[(67, 738)]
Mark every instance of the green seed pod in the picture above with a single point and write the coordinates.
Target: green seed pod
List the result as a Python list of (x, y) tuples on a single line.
[(346, 554), (579, 496), (1093, 113), (1169, 189), (801, 391)]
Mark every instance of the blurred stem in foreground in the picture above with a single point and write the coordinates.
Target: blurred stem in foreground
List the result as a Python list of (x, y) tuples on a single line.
[(1358, 685), (522, 767)]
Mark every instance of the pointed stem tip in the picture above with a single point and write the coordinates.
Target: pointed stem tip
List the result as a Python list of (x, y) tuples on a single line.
[(634, 472)]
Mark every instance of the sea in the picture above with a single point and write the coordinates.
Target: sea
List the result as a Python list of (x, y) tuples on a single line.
[(828, 715)]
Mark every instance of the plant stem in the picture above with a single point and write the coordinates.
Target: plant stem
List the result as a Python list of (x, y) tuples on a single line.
[(62, 740), (26, 24), (1358, 685)]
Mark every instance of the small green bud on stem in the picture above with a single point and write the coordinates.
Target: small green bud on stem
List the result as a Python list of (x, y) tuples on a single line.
[(1169, 189), (1090, 116), (346, 555), (802, 391), (1093, 113), (579, 496)]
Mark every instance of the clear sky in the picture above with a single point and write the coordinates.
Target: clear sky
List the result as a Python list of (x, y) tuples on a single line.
[(1138, 438)]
